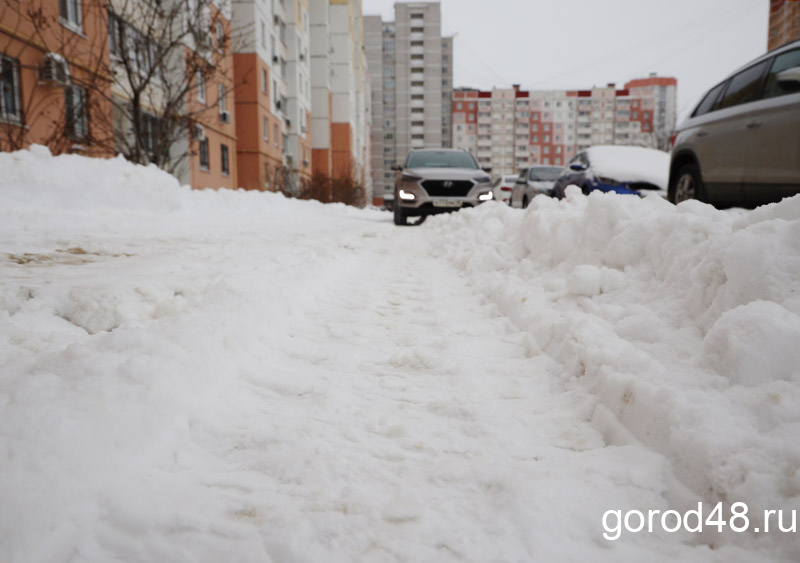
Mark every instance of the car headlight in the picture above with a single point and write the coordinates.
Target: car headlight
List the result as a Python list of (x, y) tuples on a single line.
[(407, 196), (410, 178), (486, 197)]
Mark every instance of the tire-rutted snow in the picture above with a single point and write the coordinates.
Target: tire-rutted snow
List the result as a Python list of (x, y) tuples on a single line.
[(204, 376)]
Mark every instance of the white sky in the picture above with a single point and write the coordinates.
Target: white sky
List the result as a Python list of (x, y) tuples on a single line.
[(557, 44)]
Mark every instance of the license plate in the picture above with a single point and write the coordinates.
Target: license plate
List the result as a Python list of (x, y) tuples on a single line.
[(446, 203)]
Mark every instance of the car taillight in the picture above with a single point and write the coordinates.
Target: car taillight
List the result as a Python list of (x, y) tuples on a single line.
[(505, 189), (672, 139)]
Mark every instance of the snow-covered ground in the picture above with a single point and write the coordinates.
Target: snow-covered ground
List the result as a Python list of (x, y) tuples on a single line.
[(229, 376)]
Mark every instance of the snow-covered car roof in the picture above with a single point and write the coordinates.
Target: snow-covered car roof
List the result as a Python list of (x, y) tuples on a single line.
[(630, 164)]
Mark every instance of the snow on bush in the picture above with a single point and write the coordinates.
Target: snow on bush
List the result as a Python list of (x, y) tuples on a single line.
[(683, 321)]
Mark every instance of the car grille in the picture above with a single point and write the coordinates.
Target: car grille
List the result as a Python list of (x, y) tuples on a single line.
[(452, 188)]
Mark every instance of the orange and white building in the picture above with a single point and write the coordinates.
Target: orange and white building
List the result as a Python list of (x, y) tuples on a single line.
[(340, 92), (213, 140)]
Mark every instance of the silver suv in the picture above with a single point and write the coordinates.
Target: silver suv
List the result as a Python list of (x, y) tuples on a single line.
[(437, 181), (741, 144)]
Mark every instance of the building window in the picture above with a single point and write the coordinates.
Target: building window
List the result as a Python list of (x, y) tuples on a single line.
[(70, 13), (9, 90), (265, 121), (275, 133), (149, 132), (204, 154), (225, 163), (264, 81), (220, 37), (201, 87), (221, 101), (266, 174), (263, 35), (77, 125)]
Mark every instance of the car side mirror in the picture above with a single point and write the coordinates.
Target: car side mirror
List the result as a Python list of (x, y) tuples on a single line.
[(397, 167), (789, 79), (577, 167), (487, 170)]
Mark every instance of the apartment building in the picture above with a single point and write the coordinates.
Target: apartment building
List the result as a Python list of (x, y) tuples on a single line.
[(784, 22), (268, 36), (341, 114), (54, 88), (211, 144), (411, 66), (509, 129)]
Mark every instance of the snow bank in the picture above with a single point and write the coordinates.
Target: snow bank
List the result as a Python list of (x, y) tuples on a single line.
[(683, 321)]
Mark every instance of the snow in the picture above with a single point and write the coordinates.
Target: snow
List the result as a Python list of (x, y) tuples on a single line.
[(192, 376), (630, 164)]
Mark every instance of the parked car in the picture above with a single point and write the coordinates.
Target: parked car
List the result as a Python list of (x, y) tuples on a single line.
[(741, 144), (533, 181), (615, 168), (502, 188), (438, 181)]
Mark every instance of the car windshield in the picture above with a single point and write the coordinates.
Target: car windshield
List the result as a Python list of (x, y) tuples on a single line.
[(441, 159), (545, 174)]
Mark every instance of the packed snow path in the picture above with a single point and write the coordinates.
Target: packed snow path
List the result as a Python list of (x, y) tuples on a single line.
[(332, 395)]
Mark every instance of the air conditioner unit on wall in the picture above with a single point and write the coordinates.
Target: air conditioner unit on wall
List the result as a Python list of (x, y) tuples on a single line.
[(55, 69), (225, 116), (198, 132)]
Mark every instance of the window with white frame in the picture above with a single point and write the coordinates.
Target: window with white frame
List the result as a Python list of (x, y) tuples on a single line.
[(201, 87), (225, 159), (221, 101), (77, 114), (220, 36), (69, 12), (265, 122), (204, 154), (149, 131), (10, 109)]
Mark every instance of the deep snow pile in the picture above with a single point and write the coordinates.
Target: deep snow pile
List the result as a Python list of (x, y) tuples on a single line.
[(232, 376), (683, 321)]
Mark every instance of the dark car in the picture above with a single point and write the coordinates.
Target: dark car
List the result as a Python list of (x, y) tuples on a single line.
[(741, 144), (620, 169), (438, 181)]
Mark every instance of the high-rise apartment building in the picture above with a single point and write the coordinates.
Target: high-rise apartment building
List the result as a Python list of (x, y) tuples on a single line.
[(509, 129), (340, 92), (784, 22), (411, 67), (273, 94)]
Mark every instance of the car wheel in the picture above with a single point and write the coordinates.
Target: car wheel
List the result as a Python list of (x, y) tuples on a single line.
[(399, 217), (687, 184), (525, 202)]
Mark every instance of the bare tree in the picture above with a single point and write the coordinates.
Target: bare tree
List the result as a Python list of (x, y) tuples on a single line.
[(34, 43), (147, 79), (163, 58)]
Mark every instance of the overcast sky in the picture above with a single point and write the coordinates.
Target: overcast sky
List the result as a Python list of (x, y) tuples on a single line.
[(576, 44)]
